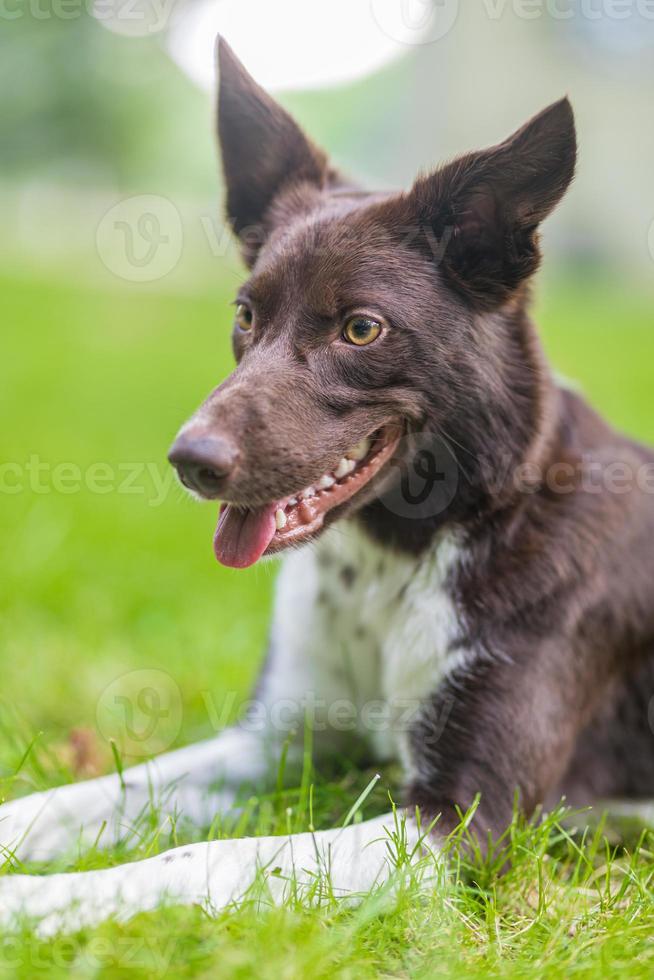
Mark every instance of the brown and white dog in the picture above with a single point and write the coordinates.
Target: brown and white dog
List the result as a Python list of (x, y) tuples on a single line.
[(479, 572)]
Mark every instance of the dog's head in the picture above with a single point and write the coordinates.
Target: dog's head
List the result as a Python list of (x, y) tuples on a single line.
[(365, 317)]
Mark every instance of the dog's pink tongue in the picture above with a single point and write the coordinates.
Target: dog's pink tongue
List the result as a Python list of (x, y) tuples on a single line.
[(242, 536)]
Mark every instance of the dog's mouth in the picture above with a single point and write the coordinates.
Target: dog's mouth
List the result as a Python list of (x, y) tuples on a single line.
[(244, 535)]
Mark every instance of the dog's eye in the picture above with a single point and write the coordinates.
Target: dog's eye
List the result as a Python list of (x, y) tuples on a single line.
[(361, 330), (243, 317)]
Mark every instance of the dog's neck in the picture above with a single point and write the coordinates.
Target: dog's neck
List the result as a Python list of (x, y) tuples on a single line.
[(491, 458)]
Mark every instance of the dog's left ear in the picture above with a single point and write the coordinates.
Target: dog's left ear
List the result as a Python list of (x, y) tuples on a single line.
[(264, 152), (485, 208)]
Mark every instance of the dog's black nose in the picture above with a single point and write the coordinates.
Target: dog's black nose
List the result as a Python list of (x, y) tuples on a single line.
[(203, 463)]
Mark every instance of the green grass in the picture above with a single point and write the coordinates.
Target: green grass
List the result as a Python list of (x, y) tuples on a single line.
[(98, 585)]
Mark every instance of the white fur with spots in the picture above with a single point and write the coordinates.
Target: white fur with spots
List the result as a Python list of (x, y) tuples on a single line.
[(364, 627)]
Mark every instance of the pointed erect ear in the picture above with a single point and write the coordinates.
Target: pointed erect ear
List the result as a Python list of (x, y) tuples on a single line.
[(485, 208), (263, 150)]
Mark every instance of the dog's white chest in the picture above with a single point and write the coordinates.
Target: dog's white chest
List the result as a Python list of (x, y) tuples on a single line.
[(366, 628)]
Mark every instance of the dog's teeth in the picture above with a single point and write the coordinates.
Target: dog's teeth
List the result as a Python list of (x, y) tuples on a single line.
[(309, 492), (326, 482), (344, 467), (280, 519), (360, 451), (292, 502)]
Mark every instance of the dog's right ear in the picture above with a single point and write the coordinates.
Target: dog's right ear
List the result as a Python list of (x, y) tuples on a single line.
[(263, 150)]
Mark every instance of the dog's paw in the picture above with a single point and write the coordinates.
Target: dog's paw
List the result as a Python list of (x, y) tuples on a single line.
[(57, 903), (52, 904), (25, 831), (27, 899)]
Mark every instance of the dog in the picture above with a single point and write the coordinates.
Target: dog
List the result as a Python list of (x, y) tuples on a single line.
[(456, 552)]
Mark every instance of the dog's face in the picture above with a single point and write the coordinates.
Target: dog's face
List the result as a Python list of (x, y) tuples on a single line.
[(364, 317)]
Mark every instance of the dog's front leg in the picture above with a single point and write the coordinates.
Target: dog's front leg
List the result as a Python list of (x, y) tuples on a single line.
[(195, 782), (512, 723), (301, 679), (316, 866)]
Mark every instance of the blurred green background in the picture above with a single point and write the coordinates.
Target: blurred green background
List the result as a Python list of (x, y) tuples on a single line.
[(117, 274)]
